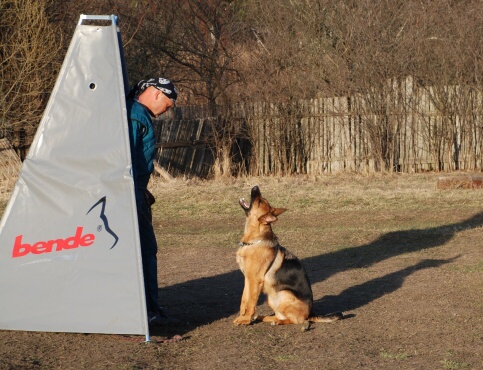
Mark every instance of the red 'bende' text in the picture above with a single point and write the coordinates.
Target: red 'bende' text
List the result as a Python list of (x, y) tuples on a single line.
[(55, 245)]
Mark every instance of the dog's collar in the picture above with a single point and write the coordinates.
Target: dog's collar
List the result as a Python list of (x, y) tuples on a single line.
[(242, 244)]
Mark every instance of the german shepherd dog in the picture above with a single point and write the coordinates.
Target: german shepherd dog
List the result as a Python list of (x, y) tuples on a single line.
[(269, 267)]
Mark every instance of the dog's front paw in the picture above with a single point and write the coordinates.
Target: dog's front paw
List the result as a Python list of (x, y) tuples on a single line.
[(242, 320)]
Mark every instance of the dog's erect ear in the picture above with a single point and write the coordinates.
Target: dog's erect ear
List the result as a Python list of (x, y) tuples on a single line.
[(278, 211), (271, 216), (267, 218)]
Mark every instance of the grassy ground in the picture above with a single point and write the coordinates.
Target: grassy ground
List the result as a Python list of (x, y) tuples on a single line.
[(402, 259)]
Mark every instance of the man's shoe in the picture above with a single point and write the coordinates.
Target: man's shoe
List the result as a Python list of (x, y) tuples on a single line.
[(160, 318)]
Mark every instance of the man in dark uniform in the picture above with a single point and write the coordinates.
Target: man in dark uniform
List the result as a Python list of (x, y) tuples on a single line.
[(148, 99)]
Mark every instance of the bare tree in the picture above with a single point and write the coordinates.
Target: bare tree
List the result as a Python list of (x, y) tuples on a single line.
[(287, 56), (451, 59), (194, 41), (29, 48), (259, 66)]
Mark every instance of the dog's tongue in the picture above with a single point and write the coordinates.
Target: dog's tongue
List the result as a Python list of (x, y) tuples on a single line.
[(244, 203)]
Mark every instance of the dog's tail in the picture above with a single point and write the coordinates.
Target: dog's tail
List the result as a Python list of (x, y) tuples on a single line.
[(327, 318)]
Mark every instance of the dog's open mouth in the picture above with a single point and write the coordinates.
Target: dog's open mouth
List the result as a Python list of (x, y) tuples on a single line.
[(244, 204), (255, 193)]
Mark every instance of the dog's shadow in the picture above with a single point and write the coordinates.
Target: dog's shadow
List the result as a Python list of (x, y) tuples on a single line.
[(362, 294), (203, 301)]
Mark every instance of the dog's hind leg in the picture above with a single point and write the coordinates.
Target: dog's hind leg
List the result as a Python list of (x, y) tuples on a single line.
[(288, 309), (274, 320), (327, 318)]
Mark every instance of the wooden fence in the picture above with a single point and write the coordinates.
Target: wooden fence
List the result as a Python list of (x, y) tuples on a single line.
[(183, 143), (396, 128)]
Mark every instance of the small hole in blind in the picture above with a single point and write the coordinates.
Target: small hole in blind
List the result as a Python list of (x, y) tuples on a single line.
[(92, 86)]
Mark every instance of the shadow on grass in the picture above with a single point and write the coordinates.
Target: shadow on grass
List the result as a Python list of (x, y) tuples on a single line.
[(202, 301), (362, 294)]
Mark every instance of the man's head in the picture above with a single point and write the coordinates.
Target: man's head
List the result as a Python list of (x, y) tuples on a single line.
[(157, 94)]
